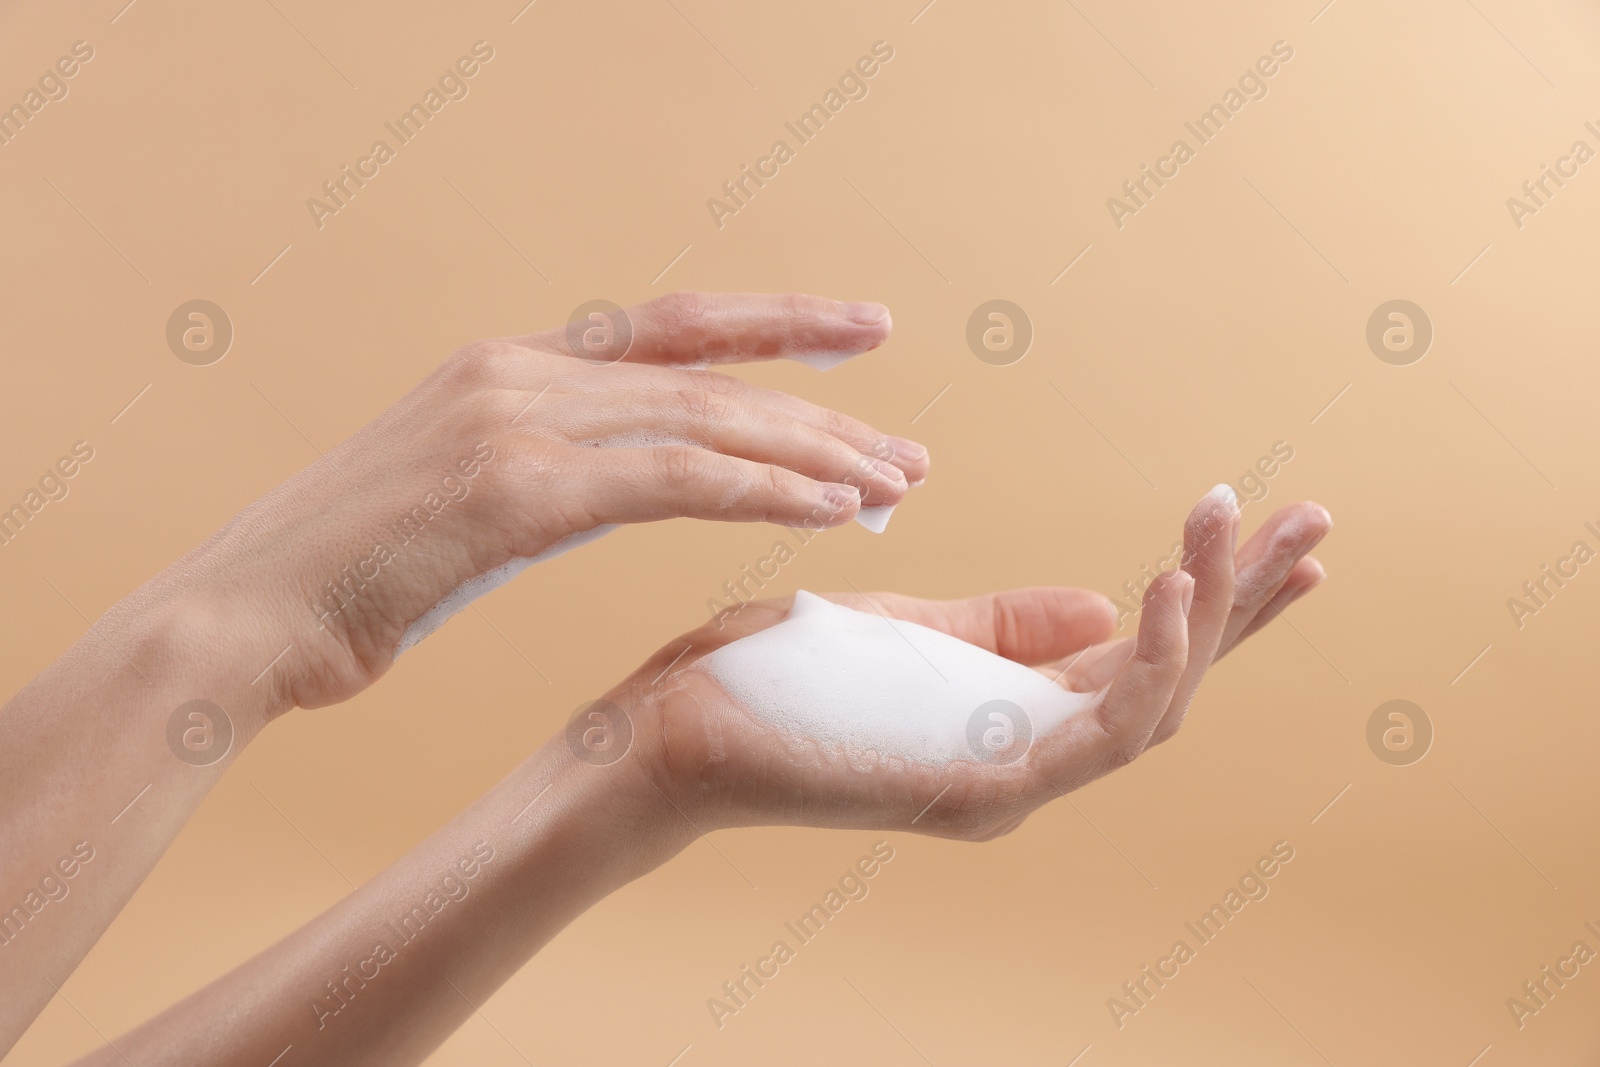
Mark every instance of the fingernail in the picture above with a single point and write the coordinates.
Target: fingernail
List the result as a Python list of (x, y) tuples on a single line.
[(1224, 492), (1188, 595), (888, 470), (906, 449), (840, 496), (866, 313)]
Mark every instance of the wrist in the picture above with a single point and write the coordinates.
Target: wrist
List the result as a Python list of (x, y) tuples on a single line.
[(619, 805), (181, 646)]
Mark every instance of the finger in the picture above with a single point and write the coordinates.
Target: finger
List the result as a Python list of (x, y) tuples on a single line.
[(1029, 625), (909, 456), (1306, 576), (1208, 548), (1120, 726), (1002, 830), (1092, 668), (1266, 560), (726, 424), (622, 485), (1304, 517), (703, 329)]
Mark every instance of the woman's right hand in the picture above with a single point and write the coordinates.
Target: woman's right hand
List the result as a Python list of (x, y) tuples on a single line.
[(512, 447)]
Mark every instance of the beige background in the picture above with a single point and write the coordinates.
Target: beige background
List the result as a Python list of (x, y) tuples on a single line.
[(1223, 318)]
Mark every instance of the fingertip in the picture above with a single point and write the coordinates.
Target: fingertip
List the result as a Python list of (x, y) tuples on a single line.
[(867, 313), (907, 449), (1215, 512), (910, 456), (840, 503), (1108, 609)]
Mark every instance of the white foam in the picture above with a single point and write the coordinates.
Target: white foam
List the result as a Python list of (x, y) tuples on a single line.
[(641, 439), (821, 360), (487, 582), (860, 682), (876, 517)]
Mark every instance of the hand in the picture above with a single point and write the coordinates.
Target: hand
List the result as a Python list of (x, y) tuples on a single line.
[(566, 833), (718, 765), (493, 460)]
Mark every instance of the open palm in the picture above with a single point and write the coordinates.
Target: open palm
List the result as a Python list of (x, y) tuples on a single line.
[(720, 765)]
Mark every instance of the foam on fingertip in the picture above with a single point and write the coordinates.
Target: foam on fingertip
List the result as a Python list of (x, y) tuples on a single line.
[(875, 517), (1224, 492), (821, 360)]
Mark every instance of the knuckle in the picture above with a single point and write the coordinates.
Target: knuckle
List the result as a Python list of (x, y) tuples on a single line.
[(480, 364), (524, 464), (841, 426), (998, 830), (1122, 752), (701, 407), (775, 482), (719, 384), (679, 468), (1120, 747), (804, 305), (1007, 632)]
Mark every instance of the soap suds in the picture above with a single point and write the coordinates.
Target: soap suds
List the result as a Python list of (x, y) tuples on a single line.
[(876, 517), (821, 360), (641, 439), (858, 683), (487, 582)]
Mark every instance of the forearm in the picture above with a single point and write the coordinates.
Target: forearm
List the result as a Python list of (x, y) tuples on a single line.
[(91, 791), (385, 975)]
